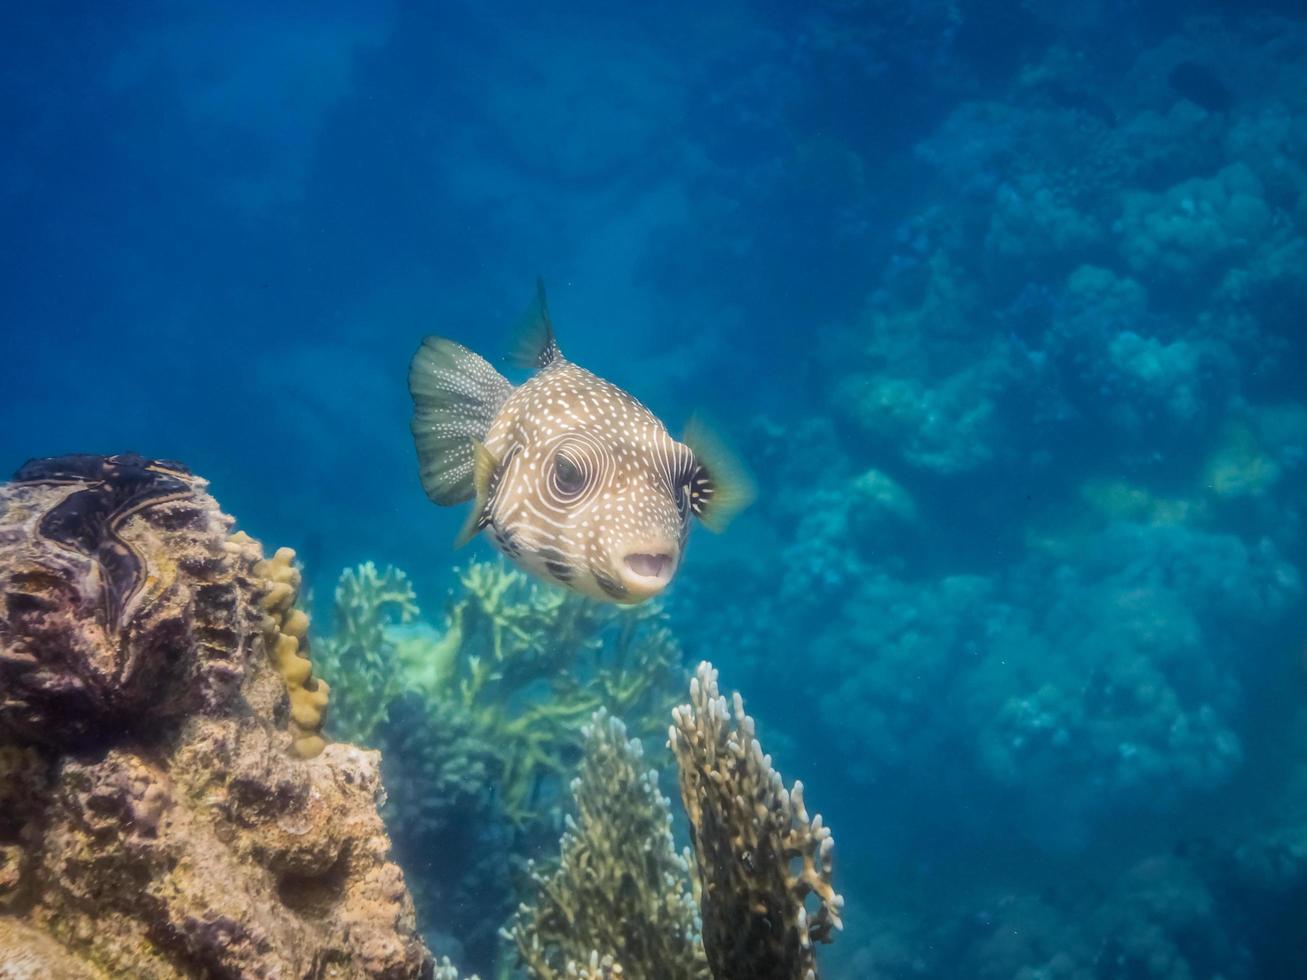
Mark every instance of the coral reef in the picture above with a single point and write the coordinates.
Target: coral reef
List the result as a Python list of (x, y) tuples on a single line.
[(1066, 671), (502, 637), (357, 653), (479, 721), (172, 821), (759, 863), (620, 890), (758, 856)]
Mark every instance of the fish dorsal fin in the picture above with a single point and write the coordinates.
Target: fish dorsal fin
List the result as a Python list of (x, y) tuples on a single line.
[(536, 347), (484, 465), (456, 396), (720, 486)]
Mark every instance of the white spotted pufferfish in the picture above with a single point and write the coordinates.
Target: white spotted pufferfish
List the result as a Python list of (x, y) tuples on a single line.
[(573, 478)]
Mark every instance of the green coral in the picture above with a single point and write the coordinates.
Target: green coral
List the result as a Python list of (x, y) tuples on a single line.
[(524, 663), (479, 718), (575, 654), (358, 657), (620, 893)]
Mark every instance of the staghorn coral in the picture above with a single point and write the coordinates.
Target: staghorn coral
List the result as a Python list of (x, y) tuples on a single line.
[(192, 842), (617, 854), (358, 656), (479, 719), (759, 857), (517, 634), (622, 902), (524, 664)]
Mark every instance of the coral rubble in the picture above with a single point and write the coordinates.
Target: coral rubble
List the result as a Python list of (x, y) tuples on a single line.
[(178, 817)]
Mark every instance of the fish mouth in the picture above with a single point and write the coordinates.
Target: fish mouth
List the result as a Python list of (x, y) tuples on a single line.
[(646, 573)]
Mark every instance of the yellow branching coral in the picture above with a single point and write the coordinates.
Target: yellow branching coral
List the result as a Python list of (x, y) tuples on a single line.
[(620, 893), (359, 657), (759, 858), (285, 635)]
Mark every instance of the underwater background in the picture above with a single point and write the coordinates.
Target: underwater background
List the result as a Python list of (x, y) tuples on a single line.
[(1002, 302)]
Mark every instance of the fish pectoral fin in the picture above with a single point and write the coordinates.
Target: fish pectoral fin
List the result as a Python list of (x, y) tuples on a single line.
[(484, 465), (535, 347), (720, 485), (456, 396)]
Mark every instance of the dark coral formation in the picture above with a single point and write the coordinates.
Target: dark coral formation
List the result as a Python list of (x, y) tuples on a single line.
[(158, 822), (621, 902), (118, 612), (760, 859)]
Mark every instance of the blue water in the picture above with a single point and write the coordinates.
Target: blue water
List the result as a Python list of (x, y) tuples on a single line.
[(1003, 303)]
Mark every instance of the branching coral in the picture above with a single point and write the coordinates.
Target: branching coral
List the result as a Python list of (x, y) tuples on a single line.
[(358, 656), (524, 664), (621, 899), (760, 860), (584, 654), (620, 891), (479, 719)]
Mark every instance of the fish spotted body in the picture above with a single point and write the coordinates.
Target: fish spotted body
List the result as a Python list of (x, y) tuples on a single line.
[(571, 476)]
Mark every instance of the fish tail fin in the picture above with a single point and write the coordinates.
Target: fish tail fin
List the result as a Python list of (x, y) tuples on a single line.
[(456, 395), (536, 347), (721, 486)]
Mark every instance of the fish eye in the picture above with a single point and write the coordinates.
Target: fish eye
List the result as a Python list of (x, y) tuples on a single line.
[(682, 494), (568, 478)]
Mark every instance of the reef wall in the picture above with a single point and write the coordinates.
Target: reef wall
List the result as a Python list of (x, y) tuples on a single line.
[(168, 808)]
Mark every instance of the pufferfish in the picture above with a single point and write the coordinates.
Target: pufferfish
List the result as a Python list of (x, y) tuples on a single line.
[(572, 478)]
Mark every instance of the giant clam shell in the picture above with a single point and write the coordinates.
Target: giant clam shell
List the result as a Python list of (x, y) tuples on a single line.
[(122, 604)]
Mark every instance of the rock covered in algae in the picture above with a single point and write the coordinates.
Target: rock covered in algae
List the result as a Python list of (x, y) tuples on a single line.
[(171, 824)]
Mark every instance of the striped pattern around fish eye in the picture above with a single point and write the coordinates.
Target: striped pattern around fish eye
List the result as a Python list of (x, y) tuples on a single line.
[(578, 464), (701, 489), (680, 477)]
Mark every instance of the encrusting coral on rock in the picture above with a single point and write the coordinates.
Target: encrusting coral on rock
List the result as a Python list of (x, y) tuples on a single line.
[(170, 826), (285, 634)]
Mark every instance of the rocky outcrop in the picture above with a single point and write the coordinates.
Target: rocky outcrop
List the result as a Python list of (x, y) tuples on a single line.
[(159, 819)]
